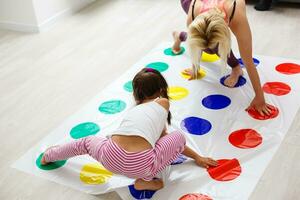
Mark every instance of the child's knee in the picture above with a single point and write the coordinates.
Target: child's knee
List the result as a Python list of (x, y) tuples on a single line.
[(164, 103), (180, 137)]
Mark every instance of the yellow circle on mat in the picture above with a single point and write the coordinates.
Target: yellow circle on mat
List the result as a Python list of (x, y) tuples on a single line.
[(94, 173), (209, 57), (201, 74), (177, 93)]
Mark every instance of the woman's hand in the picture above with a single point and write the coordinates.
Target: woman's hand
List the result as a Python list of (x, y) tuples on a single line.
[(190, 72), (259, 104), (206, 162)]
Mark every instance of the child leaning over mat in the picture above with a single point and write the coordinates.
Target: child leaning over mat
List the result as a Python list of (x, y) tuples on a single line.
[(140, 148), (209, 23)]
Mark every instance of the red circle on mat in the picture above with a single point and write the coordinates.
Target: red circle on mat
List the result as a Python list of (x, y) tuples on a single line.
[(255, 114), (226, 170), (288, 68), (195, 197), (276, 88), (245, 138)]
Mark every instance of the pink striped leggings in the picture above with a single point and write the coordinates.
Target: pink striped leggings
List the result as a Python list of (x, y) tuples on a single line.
[(145, 165)]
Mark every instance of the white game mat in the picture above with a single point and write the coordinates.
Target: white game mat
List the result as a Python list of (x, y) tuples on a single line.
[(212, 116)]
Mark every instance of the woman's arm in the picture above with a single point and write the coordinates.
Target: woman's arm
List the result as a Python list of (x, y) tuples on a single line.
[(189, 18), (241, 29)]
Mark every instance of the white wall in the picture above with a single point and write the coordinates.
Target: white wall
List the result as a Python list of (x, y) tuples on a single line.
[(36, 15), (47, 11), (17, 13)]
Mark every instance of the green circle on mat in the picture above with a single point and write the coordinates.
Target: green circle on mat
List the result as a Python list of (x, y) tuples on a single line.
[(159, 66), (112, 107), (84, 129), (128, 86), (50, 166), (169, 52)]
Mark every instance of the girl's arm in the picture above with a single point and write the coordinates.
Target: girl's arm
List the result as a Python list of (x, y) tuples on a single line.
[(201, 161), (241, 29)]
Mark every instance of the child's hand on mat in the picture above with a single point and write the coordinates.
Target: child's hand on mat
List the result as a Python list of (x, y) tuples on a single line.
[(190, 73), (259, 104), (206, 162)]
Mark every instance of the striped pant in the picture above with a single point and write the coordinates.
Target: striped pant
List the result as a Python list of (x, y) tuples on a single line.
[(145, 165)]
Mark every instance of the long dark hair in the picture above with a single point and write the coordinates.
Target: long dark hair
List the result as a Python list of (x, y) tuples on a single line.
[(150, 83)]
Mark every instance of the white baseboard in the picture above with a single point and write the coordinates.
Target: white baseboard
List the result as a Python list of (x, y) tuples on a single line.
[(46, 24), (13, 26)]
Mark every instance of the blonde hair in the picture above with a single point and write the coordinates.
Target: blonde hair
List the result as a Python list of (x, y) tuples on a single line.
[(207, 31)]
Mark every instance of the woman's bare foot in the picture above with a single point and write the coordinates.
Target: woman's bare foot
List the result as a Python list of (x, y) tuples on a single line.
[(176, 46), (233, 78), (155, 184)]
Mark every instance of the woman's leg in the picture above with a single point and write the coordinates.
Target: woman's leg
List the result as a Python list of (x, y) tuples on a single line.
[(178, 38), (233, 62), (186, 5), (236, 71), (87, 145)]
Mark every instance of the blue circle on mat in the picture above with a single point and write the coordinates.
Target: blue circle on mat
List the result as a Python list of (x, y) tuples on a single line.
[(181, 158), (216, 101), (242, 81), (195, 125), (256, 62), (140, 194)]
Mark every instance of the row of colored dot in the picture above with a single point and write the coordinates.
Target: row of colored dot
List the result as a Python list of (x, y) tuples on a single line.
[(284, 68), (114, 106)]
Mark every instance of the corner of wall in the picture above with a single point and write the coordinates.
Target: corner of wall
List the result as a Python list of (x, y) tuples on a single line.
[(35, 26), (51, 20)]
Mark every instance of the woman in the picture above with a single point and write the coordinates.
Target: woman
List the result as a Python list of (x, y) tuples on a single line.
[(209, 24)]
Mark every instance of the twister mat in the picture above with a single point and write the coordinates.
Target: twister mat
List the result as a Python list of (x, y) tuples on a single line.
[(212, 117)]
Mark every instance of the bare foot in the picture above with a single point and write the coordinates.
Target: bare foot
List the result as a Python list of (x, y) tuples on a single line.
[(155, 184), (43, 161), (176, 46), (233, 78)]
